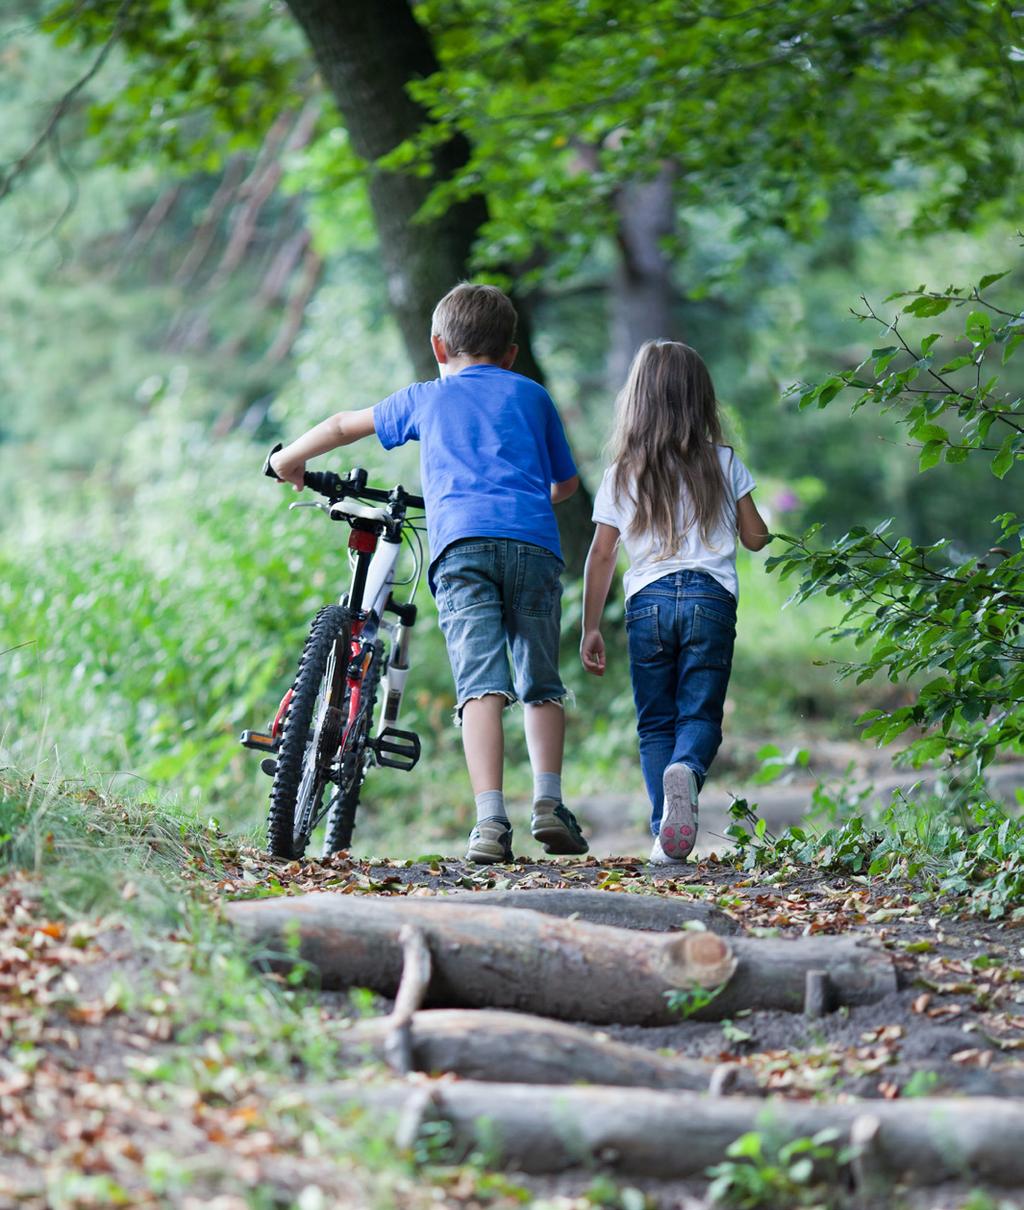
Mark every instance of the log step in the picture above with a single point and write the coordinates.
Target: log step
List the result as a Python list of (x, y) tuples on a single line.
[(567, 969)]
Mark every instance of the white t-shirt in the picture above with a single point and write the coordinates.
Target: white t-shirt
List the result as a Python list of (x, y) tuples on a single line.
[(717, 557)]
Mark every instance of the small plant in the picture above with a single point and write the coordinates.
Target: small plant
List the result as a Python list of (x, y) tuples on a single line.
[(688, 1001), (976, 855), (758, 1174)]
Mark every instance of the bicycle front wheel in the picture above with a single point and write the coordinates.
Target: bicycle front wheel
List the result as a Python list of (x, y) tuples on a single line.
[(311, 735), (354, 759)]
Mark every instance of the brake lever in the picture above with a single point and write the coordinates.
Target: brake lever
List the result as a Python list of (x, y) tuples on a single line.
[(309, 504)]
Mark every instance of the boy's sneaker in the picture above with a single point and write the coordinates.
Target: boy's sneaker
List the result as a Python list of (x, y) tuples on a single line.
[(490, 841), (555, 826), (678, 833)]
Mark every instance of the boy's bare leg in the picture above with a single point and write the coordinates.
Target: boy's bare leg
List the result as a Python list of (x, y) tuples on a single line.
[(552, 824), (484, 742), (544, 723)]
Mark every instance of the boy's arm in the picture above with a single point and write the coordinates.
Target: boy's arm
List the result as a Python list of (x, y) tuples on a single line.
[(597, 580), (340, 429), (751, 525), (565, 489)]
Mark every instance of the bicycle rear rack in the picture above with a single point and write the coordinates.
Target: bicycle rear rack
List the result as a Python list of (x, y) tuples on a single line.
[(397, 749)]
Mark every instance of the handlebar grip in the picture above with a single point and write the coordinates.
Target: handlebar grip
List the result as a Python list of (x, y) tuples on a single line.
[(268, 470), (326, 483)]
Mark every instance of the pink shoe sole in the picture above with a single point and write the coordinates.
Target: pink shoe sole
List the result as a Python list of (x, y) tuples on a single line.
[(678, 833)]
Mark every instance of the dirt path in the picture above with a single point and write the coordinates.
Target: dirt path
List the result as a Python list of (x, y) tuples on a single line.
[(122, 1079)]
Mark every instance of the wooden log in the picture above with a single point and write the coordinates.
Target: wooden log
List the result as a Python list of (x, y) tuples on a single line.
[(674, 1135), (516, 1048), (817, 994), (654, 913), (567, 969)]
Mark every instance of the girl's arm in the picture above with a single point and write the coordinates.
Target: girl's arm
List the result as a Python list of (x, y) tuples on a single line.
[(340, 429), (597, 579), (751, 525)]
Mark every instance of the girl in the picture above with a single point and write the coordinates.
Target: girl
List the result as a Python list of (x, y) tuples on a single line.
[(675, 496)]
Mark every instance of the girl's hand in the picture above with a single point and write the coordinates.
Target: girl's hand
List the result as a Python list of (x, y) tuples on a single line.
[(288, 469), (592, 652)]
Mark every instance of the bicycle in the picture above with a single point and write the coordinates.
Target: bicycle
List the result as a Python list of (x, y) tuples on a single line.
[(323, 731)]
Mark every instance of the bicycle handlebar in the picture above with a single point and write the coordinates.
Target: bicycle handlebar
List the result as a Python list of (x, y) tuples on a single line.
[(350, 486)]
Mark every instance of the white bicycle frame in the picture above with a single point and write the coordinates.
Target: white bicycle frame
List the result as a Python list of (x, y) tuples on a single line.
[(380, 578)]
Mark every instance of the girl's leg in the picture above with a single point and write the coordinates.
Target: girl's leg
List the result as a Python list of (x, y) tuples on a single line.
[(651, 631), (704, 665)]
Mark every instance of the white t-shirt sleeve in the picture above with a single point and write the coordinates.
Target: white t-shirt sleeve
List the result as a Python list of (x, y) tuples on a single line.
[(742, 480), (606, 511)]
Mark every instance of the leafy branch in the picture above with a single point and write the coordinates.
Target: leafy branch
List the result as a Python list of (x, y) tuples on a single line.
[(947, 626), (49, 133)]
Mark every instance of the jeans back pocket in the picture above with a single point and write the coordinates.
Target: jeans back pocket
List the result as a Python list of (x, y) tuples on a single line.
[(643, 634), (713, 637), (467, 576), (537, 590)]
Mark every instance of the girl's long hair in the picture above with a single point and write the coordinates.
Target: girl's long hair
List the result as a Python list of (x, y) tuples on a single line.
[(666, 431)]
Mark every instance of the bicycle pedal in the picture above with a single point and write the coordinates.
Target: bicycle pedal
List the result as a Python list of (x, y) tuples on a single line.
[(397, 749), (260, 740)]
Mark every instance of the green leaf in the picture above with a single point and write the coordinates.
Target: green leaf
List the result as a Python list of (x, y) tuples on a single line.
[(990, 278), (957, 363), (925, 306), (1002, 462), (931, 453), (978, 328)]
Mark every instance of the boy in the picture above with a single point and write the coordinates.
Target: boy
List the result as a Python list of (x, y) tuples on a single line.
[(493, 461)]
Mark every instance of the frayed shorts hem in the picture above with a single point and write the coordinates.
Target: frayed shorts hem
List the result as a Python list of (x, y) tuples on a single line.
[(566, 697)]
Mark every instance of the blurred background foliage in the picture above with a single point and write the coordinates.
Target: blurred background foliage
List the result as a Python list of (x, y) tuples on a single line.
[(192, 272)]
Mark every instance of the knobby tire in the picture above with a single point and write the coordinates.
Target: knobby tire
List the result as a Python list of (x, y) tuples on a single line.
[(302, 751), (341, 818)]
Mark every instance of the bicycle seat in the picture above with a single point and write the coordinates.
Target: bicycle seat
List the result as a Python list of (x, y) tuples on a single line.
[(343, 509)]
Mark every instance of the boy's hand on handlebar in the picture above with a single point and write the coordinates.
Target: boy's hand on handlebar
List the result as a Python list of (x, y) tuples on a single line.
[(592, 652), (290, 470)]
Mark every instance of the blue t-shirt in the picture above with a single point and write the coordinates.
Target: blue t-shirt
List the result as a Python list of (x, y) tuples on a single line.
[(491, 445)]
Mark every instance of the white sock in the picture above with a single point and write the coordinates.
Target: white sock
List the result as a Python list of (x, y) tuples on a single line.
[(490, 804), (547, 785)]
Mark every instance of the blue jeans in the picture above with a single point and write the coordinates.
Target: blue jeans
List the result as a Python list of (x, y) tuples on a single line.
[(495, 597), (681, 631)]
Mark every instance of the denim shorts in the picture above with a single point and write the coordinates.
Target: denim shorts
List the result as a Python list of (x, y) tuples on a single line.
[(499, 597)]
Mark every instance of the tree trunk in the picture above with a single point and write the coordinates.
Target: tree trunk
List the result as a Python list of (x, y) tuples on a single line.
[(367, 55), (507, 1048), (567, 969), (673, 1135), (643, 293)]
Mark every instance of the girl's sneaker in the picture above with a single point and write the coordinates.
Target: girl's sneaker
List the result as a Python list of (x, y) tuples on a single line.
[(490, 841), (660, 857), (678, 833)]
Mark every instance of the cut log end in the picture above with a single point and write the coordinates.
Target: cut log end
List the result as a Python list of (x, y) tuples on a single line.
[(698, 960)]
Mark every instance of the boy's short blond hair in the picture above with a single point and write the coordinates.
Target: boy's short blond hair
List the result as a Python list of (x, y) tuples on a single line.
[(475, 321)]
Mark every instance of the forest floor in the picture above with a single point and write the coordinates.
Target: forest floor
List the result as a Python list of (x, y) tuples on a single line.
[(137, 1073)]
